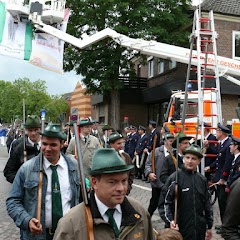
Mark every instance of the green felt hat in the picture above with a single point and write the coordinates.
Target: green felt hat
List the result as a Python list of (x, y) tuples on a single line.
[(114, 136), (85, 122), (182, 136), (167, 136), (32, 121), (106, 127), (195, 150), (53, 130), (106, 161)]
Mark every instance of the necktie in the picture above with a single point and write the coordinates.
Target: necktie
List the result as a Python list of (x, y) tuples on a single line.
[(85, 139), (57, 212), (36, 146), (111, 221)]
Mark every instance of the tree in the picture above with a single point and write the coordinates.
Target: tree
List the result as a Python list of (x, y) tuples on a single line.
[(102, 63), (35, 96)]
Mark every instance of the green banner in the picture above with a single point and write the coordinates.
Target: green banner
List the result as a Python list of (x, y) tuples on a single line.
[(28, 42), (2, 19)]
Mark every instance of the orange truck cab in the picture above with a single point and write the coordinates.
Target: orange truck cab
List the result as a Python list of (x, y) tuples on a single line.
[(173, 116)]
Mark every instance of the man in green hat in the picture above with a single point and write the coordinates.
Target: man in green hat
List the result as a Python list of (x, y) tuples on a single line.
[(154, 174), (31, 147), (115, 216), (88, 143), (194, 210), (116, 141), (60, 188), (169, 163)]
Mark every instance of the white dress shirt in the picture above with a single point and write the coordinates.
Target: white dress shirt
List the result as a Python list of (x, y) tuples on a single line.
[(103, 208), (66, 193), (32, 143)]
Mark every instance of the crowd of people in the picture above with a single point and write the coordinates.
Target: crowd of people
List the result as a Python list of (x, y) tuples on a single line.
[(43, 162)]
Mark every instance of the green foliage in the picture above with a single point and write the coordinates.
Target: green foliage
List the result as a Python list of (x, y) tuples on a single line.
[(100, 64), (35, 96)]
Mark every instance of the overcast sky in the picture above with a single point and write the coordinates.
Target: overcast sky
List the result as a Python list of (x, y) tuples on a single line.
[(11, 69)]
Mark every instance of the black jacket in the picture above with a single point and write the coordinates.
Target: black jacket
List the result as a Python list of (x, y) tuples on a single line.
[(231, 219), (195, 213), (17, 158), (168, 166)]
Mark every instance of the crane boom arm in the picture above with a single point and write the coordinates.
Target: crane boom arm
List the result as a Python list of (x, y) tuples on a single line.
[(151, 48)]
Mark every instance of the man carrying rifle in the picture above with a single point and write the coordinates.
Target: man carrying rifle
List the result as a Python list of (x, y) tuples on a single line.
[(152, 127), (114, 215), (193, 216), (169, 163), (89, 144), (60, 188), (154, 174), (28, 149)]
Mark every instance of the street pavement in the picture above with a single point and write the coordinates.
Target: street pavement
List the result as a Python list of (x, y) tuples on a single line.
[(141, 191)]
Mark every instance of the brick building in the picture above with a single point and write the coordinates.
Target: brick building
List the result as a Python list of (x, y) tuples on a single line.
[(165, 76), (80, 104)]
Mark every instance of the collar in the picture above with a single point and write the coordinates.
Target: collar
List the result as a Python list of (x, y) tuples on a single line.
[(129, 215), (32, 143), (143, 135), (153, 130), (83, 137), (222, 141), (103, 208), (236, 155), (206, 137), (60, 162)]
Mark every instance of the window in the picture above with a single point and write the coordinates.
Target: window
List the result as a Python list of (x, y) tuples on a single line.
[(236, 45), (172, 64), (160, 66), (150, 67)]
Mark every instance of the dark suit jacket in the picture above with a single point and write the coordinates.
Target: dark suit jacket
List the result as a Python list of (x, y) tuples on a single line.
[(223, 162), (151, 140)]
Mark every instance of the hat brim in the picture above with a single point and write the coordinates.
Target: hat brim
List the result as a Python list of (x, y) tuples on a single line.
[(110, 170), (114, 139), (174, 144), (57, 135), (194, 153)]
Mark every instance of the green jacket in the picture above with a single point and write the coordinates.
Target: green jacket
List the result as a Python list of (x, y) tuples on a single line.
[(136, 223)]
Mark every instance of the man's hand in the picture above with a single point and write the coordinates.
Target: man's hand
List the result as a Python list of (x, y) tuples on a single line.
[(174, 226), (221, 182), (145, 150), (207, 169), (205, 143), (208, 234), (33, 226), (152, 177)]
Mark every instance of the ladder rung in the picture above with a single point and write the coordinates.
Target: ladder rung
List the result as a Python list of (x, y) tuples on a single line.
[(208, 76), (213, 141), (204, 19), (205, 52), (211, 89), (209, 115), (191, 115), (209, 101), (206, 41), (210, 155), (208, 64), (193, 81)]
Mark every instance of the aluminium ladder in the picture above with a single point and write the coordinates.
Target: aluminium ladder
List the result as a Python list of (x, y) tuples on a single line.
[(203, 39)]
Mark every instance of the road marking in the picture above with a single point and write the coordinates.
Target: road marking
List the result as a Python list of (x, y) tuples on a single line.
[(144, 188)]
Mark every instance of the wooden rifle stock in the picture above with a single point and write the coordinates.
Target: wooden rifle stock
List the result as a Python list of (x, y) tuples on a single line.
[(24, 136), (153, 152), (88, 214), (176, 186), (40, 183)]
